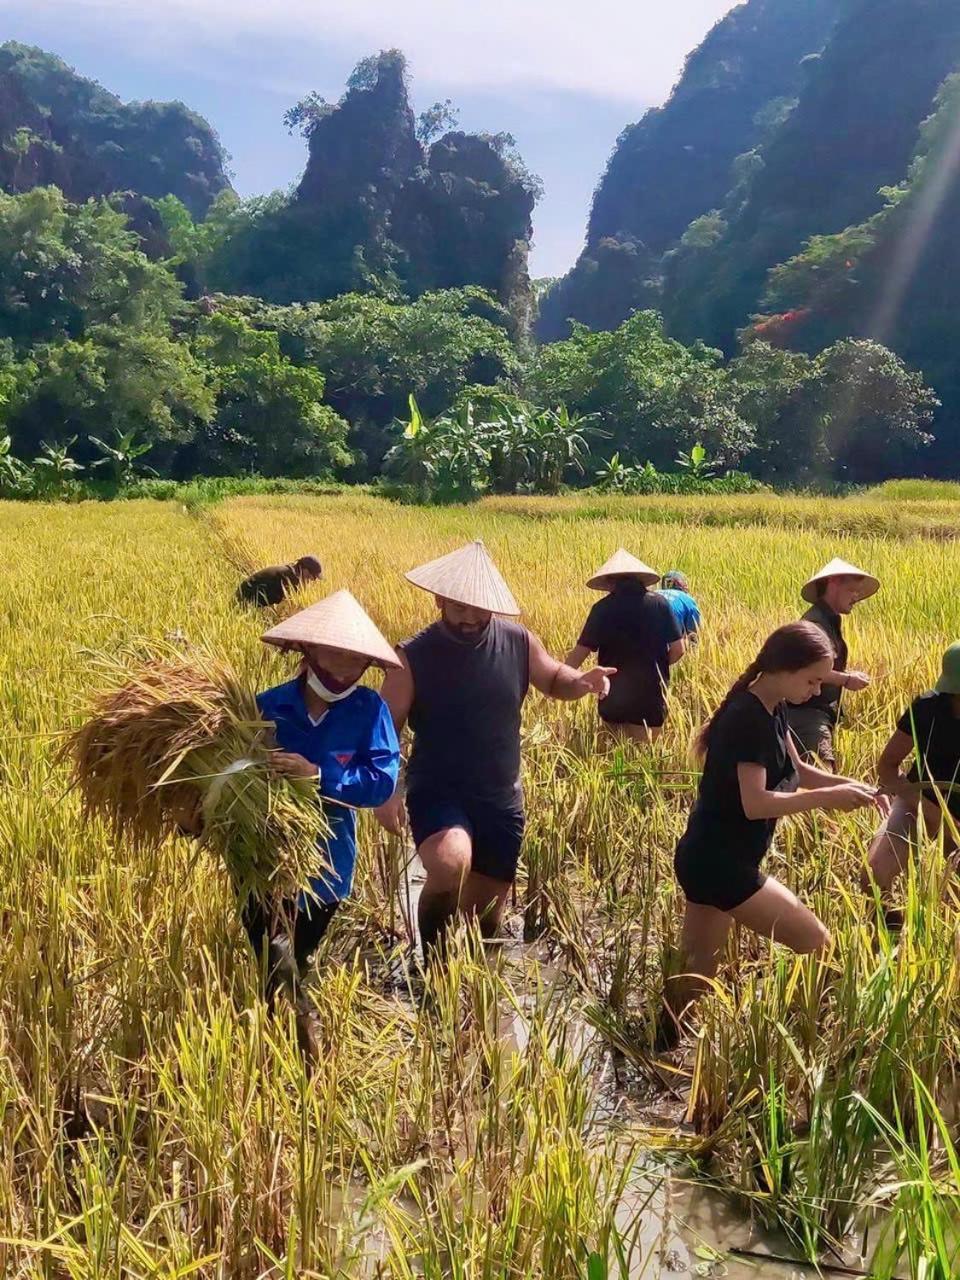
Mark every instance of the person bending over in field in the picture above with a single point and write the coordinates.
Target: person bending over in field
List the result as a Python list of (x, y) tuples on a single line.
[(331, 729), (637, 632), (831, 593), (929, 732), (676, 591), (751, 776), (270, 585), (461, 686)]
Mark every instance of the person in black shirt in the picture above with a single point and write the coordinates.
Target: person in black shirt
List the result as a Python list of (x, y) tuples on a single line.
[(751, 775), (831, 593), (270, 585), (636, 631), (461, 688), (928, 732)]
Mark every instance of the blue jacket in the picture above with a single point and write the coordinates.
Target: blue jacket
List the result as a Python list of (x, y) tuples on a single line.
[(356, 750), (685, 609)]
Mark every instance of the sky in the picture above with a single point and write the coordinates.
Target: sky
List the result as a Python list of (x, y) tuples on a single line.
[(563, 76)]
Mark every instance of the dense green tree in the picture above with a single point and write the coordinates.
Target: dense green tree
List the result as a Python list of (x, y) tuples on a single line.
[(651, 395), (64, 268), (853, 413), (374, 354), (766, 382), (57, 127), (114, 379), (270, 417), (874, 412), (197, 249)]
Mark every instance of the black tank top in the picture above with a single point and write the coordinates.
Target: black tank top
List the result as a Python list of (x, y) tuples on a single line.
[(466, 711)]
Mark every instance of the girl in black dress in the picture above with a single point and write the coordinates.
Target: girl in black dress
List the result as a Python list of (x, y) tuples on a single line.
[(751, 777)]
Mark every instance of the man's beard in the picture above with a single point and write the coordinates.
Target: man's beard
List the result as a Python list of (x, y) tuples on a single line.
[(467, 635)]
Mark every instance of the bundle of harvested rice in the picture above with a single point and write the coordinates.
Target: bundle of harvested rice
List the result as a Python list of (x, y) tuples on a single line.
[(176, 733)]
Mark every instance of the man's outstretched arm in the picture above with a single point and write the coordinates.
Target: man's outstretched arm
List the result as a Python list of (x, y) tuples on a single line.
[(557, 680)]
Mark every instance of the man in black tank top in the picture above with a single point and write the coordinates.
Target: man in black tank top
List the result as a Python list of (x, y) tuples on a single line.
[(461, 689)]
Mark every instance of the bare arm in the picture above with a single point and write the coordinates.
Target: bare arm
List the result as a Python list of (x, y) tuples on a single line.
[(850, 680), (892, 757), (397, 692), (837, 678), (559, 681), (759, 803), (676, 650), (577, 656)]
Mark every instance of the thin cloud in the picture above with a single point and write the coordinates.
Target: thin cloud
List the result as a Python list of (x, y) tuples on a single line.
[(615, 49)]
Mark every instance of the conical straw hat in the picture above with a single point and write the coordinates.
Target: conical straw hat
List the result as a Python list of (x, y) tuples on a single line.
[(622, 565), (339, 622), (840, 569), (467, 576)]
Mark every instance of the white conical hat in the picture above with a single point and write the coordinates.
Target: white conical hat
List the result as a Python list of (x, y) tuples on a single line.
[(840, 569), (339, 622), (622, 565), (467, 576)]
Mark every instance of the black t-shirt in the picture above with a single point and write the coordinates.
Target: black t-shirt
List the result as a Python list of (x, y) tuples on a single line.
[(631, 629), (744, 732), (267, 586), (935, 731), (828, 699)]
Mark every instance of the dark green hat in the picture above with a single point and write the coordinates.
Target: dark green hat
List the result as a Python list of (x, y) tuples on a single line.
[(949, 681)]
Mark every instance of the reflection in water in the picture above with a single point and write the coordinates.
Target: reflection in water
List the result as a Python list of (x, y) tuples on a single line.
[(678, 1227)]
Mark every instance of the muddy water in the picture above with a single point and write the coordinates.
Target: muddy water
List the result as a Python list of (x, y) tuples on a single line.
[(682, 1228)]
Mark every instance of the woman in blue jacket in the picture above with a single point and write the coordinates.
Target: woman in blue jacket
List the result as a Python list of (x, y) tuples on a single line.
[(330, 728)]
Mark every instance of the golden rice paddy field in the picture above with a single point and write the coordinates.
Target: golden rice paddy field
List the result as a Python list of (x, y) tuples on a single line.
[(155, 1122)]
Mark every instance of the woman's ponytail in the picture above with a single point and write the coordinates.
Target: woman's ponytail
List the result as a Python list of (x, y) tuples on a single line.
[(789, 648)]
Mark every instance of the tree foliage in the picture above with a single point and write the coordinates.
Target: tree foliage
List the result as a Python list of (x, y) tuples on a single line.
[(855, 412), (374, 354), (652, 396), (59, 128), (66, 267)]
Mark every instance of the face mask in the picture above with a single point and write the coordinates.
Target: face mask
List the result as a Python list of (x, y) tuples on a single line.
[(321, 690)]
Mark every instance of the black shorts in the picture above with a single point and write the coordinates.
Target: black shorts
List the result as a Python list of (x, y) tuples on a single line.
[(635, 697), (650, 713), (495, 829), (710, 876), (813, 729)]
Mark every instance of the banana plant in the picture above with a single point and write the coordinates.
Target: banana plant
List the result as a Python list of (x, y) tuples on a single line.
[(54, 468), (122, 457), (12, 470), (696, 463)]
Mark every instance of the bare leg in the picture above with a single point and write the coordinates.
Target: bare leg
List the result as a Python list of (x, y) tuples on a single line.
[(446, 857), (705, 931), (896, 841), (772, 911), (776, 913), (485, 898)]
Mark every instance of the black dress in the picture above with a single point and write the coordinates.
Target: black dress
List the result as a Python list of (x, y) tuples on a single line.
[(718, 858), (632, 629)]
